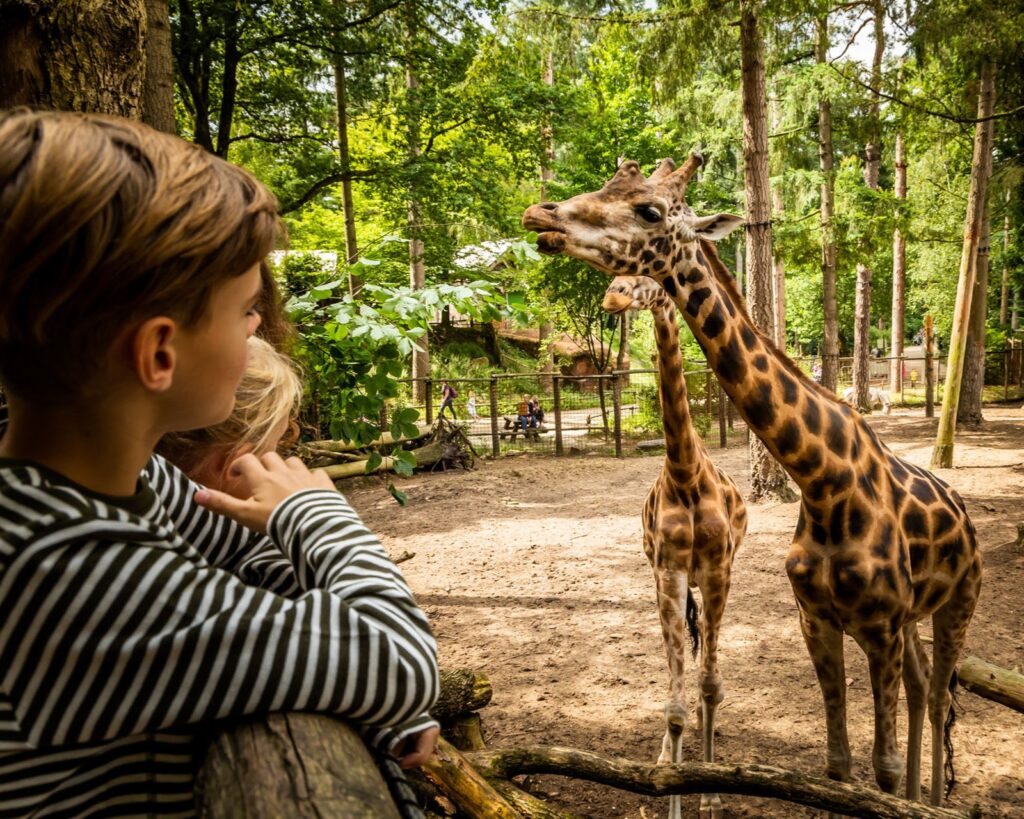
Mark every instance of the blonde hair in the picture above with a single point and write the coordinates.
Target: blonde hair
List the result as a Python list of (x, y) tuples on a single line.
[(104, 222), (267, 397)]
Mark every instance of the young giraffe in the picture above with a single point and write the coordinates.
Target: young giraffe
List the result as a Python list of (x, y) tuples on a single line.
[(694, 520), (879, 545)]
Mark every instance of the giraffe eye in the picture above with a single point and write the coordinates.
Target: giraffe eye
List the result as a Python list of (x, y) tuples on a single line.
[(648, 213)]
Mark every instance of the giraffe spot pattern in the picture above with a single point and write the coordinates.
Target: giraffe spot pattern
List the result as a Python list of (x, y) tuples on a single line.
[(788, 438), (731, 367), (714, 323), (812, 418), (670, 286), (789, 388), (749, 337), (697, 298), (761, 363), (758, 406)]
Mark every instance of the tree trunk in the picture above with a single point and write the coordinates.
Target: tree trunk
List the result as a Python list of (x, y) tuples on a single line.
[(826, 161), (899, 275), (767, 478), (73, 56), (972, 389), (158, 85), (1004, 293), (417, 273), (546, 175), (778, 265), (228, 85), (291, 764), (942, 455), (344, 160), (872, 161), (463, 784), (620, 361)]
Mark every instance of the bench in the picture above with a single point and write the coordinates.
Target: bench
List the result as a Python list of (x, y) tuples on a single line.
[(513, 429)]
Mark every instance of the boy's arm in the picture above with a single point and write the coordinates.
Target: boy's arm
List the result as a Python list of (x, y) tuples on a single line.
[(103, 636), (226, 544)]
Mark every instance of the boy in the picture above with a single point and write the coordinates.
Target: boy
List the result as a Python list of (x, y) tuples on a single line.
[(129, 608)]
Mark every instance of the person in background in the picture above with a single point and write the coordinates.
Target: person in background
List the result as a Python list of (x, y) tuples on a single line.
[(536, 412), (448, 396), (471, 405), (523, 412)]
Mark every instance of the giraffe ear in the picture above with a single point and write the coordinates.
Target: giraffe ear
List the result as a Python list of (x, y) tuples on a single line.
[(616, 303), (717, 226)]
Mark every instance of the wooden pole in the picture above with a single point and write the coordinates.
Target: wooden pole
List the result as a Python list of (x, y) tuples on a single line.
[(929, 367), (617, 413), (428, 398), (723, 439), (492, 390), (557, 389), (707, 777)]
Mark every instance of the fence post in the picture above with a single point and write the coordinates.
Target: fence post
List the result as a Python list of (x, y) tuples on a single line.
[(707, 395), (556, 386), (617, 413), (1006, 373), (929, 372), (495, 439), (722, 437), (428, 397)]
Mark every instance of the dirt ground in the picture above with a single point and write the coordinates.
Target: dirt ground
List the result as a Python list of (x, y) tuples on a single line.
[(531, 570)]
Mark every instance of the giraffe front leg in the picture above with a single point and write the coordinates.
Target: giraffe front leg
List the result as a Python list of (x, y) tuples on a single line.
[(916, 672), (671, 591), (714, 592), (885, 664), (824, 641)]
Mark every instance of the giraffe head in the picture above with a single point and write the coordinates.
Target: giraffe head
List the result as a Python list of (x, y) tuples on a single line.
[(633, 225), (635, 293)]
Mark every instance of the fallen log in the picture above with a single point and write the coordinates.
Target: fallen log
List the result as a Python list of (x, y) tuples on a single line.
[(462, 690), (992, 682), (425, 456), (294, 765), (526, 803), (464, 786), (465, 732), (705, 777), (386, 439)]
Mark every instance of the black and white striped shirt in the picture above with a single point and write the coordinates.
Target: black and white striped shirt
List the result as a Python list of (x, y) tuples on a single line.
[(127, 623)]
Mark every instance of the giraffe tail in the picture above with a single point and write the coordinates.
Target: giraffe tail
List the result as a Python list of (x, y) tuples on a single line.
[(691, 622), (947, 740)]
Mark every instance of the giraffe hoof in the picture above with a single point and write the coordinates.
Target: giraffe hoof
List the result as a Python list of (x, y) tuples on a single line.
[(711, 807)]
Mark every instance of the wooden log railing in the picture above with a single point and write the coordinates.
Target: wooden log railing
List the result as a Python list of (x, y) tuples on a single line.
[(294, 765)]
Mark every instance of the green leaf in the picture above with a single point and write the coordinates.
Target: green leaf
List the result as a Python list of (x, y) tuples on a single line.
[(406, 415), (398, 495), (373, 462), (410, 430)]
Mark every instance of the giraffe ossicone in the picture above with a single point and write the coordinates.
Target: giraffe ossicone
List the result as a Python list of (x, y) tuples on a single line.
[(880, 543)]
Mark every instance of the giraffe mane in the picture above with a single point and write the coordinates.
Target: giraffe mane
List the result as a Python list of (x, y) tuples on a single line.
[(728, 282)]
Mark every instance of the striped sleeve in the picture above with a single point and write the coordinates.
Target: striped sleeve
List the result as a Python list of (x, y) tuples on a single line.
[(103, 636), (226, 544)]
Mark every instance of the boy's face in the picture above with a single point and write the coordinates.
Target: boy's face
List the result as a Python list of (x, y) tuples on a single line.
[(211, 356)]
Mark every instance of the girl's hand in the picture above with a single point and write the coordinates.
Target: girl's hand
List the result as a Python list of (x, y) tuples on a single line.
[(423, 745), (265, 481)]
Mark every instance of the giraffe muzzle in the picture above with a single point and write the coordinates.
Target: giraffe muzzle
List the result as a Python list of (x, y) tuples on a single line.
[(551, 242)]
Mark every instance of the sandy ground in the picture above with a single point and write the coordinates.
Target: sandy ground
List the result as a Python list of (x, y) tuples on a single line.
[(531, 570)]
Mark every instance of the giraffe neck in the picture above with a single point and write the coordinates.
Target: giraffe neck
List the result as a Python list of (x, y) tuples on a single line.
[(805, 429), (682, 445)]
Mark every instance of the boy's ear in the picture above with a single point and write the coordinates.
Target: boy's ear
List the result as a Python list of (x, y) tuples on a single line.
[(153, 353)]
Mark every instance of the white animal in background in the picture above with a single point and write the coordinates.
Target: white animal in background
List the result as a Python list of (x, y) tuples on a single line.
[(875, 396)]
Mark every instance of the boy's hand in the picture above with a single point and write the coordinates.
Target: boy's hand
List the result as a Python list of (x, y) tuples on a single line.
[(266, 481), (418, 747)]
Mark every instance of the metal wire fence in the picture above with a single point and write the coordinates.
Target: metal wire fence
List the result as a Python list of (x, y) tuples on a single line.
[(618, 413)]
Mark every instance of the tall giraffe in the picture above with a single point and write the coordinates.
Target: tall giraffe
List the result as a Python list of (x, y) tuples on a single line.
[(694, 520), (879, 544)]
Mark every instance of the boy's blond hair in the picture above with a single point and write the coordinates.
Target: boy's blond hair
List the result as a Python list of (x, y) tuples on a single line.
[(267, 399), (105, 222)]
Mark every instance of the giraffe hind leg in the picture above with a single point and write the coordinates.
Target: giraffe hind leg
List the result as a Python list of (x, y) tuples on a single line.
[(672, 591), (714, 592), (949, 627)]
